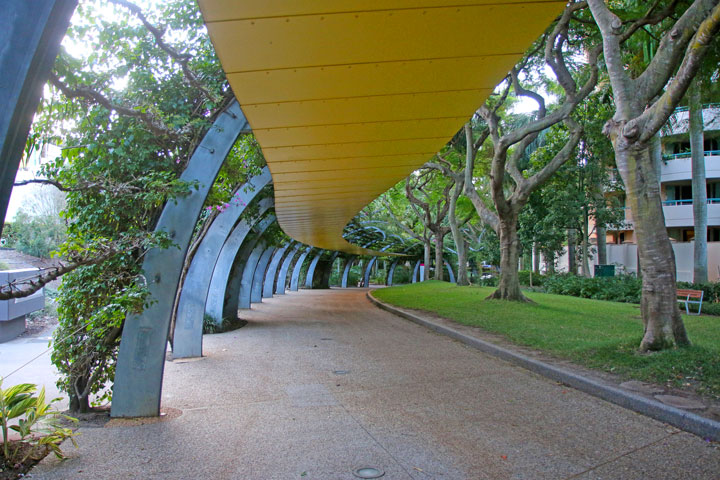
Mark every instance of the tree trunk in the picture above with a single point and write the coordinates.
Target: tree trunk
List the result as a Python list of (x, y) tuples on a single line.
[(462, 276), (585, 244), (549, 263), (572, 263), (601, 244), (426, 261), (439, 267), (660, 313), (699, 188), (509, 287), (79, 403), (536, 258)]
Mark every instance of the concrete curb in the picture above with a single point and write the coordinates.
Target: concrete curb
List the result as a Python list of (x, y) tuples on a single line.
[(690, 422)]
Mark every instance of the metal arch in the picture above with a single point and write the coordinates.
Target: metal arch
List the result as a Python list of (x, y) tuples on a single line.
[(217, 293), (415, 271), (269, 282), (187, 338), (241, 263), (256, 292), (311, 269), (326, 270), (391, 272), (244, 295), (281, 282), (295, 277), (346, 270), (141, 359), (30, 35), (371, 262), (451, 274)]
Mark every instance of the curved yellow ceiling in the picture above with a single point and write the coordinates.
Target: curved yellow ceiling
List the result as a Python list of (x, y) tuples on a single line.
[(347, 97)]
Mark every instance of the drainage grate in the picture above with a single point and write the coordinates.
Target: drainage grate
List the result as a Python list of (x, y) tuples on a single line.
[(368, 472)]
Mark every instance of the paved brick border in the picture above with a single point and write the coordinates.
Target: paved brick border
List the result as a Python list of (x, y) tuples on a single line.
[(690, 422)]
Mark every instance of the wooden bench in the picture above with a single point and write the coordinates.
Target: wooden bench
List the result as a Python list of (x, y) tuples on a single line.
[(686, 296)]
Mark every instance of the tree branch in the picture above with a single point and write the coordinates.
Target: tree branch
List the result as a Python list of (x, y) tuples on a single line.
[(672, 49), (655, 117), (154, 124), (181, 58)]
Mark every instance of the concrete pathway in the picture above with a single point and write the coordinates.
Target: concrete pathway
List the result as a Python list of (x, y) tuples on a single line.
[(320, 383), (29, 354)]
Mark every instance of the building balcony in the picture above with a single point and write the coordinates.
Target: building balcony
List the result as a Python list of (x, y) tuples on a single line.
[(678, 123), (679, 213), (679, 167)]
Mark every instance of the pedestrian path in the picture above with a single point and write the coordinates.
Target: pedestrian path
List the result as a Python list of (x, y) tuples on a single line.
[(321, 383)]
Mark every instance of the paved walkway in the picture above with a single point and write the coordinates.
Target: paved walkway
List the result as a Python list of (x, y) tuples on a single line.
[(320, 383)]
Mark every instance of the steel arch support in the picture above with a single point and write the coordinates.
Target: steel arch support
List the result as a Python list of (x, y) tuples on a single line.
[(297, 268), (187, 339), (281, 283), (248, 272), (391, 272), (451, 274), (30, 36), (141, 359), (366, 273), (324, 272), (416, 271), (217, 297), (346, 270), (310, 274), (243, 269), (269, 282), (258, 278)]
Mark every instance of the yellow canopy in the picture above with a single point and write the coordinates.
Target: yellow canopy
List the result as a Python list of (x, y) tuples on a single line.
[(347, 97)]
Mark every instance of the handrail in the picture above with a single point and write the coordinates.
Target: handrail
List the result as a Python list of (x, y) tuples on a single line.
[(707, 153), (688, 201), (705, 105)]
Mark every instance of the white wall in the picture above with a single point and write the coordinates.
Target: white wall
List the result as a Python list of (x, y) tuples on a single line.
[(624, 257)]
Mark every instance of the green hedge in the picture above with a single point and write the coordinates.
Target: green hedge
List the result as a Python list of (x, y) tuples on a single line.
[(621, 288), (537, 279)]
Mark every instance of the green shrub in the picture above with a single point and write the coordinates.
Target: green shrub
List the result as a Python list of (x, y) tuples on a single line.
[(488, 282), (621, 288), (537, 279), (36, 235), (38, 426)]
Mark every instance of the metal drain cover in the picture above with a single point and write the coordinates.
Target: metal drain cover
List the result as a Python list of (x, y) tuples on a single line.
[(368, 472)]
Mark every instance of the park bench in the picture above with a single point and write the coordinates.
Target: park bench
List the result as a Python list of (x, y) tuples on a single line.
[(686, 296)]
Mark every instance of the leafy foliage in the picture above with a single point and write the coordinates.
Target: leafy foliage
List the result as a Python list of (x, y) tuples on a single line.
[(129, 112), (37, 424), (620, 288), (35, 235)]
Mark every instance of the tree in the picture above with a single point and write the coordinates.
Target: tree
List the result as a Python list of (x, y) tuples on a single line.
[(699, 188), (129, 113), (510, 184), (433, 203), (398, 206), (643, 105), (451, 163)]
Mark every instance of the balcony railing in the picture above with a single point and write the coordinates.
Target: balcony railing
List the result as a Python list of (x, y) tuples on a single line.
[(705, 105), (708, 153), (670, 203)]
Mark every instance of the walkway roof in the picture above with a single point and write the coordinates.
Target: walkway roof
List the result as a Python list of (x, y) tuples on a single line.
[(347, 97)]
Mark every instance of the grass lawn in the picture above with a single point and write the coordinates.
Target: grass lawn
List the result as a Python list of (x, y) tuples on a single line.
[(594, 333)]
